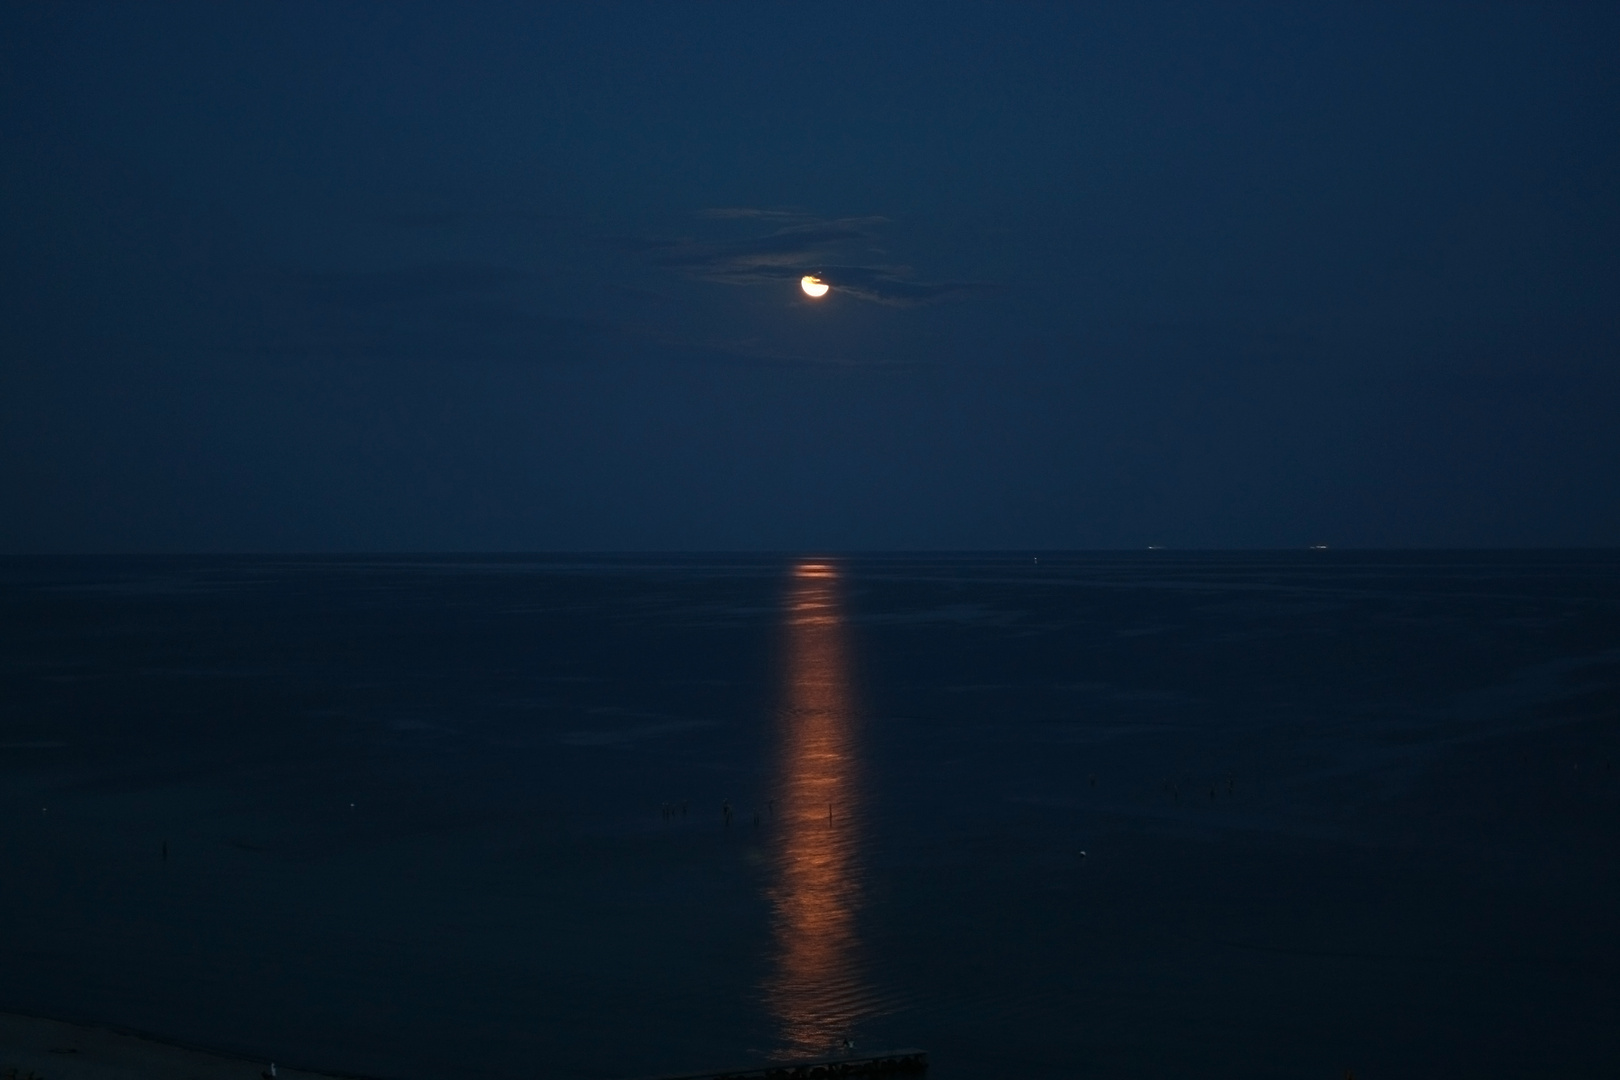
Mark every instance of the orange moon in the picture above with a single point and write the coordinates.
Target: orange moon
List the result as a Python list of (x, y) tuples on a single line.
[(813, 286)]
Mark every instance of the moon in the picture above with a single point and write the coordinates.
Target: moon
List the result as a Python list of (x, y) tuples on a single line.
[(813, 286)]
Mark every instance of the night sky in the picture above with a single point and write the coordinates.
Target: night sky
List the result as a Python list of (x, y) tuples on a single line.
[(367, 277)]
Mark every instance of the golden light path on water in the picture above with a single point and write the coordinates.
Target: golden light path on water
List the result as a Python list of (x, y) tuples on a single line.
[(816, 991)]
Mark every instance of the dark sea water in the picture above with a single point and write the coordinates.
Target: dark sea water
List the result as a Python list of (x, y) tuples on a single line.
[(1257, 815)]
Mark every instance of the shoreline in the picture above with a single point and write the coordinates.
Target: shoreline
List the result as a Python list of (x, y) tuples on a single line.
[(53, 1049)]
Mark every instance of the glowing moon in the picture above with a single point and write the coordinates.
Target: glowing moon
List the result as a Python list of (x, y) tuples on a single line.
[(813, 286)]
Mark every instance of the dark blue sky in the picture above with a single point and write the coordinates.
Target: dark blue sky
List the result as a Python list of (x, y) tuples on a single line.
[(382, 277)]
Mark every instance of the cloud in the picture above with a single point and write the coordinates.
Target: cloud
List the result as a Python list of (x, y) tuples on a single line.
[(787, 252), (841, 251), (881, 287)]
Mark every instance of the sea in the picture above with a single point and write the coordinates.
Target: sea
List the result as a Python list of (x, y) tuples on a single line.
[(1042, 814)]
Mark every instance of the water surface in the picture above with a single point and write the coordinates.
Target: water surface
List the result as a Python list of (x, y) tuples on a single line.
[(1118, 815)]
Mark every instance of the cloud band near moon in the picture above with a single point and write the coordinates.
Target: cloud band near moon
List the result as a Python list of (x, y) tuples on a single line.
[(831, 249)]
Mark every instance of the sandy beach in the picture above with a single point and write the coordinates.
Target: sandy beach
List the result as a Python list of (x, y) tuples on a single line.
[(54, 1050)]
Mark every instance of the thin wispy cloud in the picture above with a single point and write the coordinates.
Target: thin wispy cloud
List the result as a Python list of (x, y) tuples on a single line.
[(843, 252)]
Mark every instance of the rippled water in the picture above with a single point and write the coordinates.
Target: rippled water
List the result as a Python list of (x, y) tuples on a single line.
[(820, 989), (1257, 815)]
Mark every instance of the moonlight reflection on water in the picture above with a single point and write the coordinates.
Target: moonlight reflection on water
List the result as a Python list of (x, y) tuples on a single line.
[(817, 991)]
